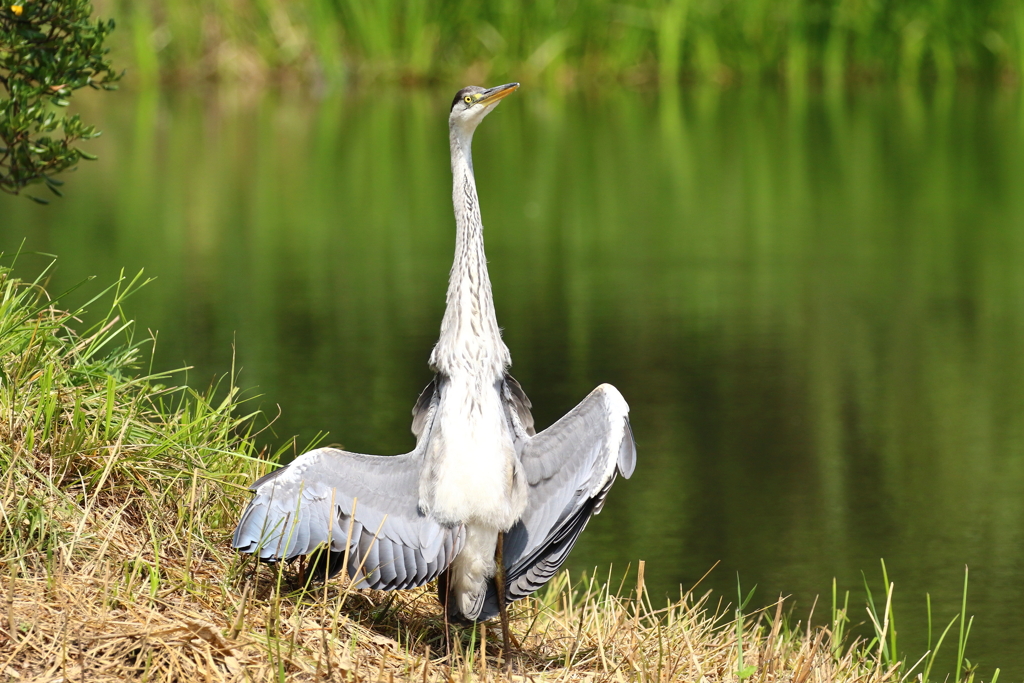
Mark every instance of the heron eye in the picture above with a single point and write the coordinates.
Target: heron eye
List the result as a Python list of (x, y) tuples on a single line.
[(468, 99)]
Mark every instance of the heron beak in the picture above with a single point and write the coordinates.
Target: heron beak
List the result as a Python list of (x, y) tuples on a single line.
[(495, 95)]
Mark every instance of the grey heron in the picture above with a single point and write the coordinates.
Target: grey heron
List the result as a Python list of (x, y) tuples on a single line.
[(483, 503)]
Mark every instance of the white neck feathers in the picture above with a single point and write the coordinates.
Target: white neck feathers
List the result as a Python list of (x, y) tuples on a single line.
[(470, 338)]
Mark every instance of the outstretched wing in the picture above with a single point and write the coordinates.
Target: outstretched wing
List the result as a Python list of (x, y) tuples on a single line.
[(328, 501), (570, 467)]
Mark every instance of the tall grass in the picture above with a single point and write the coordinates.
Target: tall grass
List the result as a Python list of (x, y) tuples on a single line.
[(90, 440), (646, 40)]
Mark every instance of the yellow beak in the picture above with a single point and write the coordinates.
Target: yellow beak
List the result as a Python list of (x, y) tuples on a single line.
[(495, 95)]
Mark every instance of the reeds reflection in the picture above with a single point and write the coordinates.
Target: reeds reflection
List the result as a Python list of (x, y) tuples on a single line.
[(814, 303)]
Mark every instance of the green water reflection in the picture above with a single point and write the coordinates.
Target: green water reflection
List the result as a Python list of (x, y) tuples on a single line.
[(815, 306)]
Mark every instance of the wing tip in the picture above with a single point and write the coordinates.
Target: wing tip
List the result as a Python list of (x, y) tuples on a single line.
[(614, 397), (618, 408), (627, 450)]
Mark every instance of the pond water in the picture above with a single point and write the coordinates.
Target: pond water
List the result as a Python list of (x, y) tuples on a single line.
[(814, 304)]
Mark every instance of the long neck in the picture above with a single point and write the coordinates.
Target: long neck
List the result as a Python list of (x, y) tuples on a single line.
[(470, 338)]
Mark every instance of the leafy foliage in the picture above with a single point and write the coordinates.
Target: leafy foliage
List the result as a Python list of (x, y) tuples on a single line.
[(48, 49)]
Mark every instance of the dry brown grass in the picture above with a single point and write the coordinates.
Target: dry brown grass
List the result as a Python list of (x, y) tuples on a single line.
[(127, 595), (214, 623)]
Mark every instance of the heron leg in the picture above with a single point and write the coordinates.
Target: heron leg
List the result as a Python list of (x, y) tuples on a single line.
[(443, 584), (507, 639)]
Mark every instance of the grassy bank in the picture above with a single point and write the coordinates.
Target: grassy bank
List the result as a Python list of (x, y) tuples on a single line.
[(647, 41), (118, 493)]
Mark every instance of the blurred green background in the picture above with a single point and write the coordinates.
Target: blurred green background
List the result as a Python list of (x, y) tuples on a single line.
[(337, 42), (791, 233)]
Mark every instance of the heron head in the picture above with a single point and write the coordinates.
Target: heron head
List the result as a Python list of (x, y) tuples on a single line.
[(473, 103)]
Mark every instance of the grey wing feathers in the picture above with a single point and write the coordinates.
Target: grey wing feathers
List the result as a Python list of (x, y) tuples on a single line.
[(328, 500), (422, 410), (570, 468), (517, 400)]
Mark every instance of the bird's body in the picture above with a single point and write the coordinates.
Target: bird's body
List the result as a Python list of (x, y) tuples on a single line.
[(478, 474)]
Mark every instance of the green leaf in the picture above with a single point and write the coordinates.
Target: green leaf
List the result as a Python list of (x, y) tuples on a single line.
[(51, 49)]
